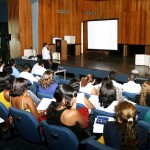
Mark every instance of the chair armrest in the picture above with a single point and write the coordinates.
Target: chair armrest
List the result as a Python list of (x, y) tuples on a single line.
[(93, 144), (144, 124), (85, 140)]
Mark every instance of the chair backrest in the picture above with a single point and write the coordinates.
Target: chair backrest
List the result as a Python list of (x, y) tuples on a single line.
[(41, 95), (59, 138), (79, 105), (128, 95), (142, 110), (92, 144), (4, 112), (27, 125), (98, 112)]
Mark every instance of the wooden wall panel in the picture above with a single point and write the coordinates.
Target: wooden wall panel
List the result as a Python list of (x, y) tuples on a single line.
[(133, 15), (13, 27), (25, 25), (20, 26)]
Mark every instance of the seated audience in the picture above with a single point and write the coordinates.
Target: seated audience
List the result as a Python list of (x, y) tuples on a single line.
[(38, 68), (107, 97), (8, 69), (27, 74), (123, 133), (47, 83), (4, 86), (86, 85), (131, 86), (15, 72), (80, 96), (144, 96), (118, 86), (62, 111), (2, 64), (20, 99)]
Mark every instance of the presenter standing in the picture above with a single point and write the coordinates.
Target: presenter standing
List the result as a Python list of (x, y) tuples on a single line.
[(46, 55)]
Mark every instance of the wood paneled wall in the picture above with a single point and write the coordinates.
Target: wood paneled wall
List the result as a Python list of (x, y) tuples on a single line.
[(133, 15), (19, 26)]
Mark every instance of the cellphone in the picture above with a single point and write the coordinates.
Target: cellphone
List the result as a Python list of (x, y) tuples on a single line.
[(102, 120)]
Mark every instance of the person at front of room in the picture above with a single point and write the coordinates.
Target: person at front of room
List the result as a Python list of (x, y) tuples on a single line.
[(46, 55), (123, 133)]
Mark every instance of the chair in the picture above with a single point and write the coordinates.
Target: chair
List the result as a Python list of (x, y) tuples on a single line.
[(98, 112), (79, 105), (142, 110), (4, 112), (58, 137), (42, 95), (27, 125), (92, 144), (129, 96)]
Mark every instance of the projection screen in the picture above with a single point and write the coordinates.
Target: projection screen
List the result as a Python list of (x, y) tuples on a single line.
[(102, 34)]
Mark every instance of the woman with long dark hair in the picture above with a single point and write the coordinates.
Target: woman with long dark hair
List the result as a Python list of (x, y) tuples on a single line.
[(63, 112)]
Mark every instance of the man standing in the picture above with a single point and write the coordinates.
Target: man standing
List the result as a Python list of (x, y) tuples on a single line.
[(46, 55)]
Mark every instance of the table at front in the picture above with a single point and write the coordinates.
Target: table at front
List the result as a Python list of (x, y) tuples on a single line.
[(59, 71)]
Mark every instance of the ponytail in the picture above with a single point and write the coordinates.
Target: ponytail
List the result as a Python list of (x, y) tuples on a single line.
[(51, 111)]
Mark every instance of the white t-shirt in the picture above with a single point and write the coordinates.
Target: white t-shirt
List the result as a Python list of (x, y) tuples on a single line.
[(45, 53), (28, 76), (38, 70), (86, 89), (131, 87)]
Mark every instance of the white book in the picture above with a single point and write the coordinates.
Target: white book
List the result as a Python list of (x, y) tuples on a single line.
[(97, 127), (45, 102), (1, 120)]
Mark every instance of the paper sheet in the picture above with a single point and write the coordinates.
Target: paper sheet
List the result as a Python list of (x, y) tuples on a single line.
[(45, 102)]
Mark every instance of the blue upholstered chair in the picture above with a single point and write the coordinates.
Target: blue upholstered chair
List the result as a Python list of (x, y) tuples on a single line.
[(41, 95), (92, 144), (79, 105), (129, 96), (59, 138), (4, 112), (98, 112), (27, 125)]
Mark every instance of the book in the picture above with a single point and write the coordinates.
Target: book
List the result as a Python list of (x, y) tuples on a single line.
[(102, 119), (45, 102)]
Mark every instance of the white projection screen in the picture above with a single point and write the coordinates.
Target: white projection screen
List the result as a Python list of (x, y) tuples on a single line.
[(102, 34)]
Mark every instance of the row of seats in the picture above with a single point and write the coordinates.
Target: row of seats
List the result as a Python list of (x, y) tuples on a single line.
[(56, 137)]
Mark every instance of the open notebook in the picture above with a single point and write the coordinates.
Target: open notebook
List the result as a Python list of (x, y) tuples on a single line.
[(99, 123), (45, 102)]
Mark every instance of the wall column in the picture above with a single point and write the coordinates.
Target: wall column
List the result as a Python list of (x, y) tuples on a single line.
[(34, 6)]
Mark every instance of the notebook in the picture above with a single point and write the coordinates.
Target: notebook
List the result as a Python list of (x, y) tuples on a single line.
[(54, 66)]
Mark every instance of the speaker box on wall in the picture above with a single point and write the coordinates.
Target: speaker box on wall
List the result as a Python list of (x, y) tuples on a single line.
[(58, 46)]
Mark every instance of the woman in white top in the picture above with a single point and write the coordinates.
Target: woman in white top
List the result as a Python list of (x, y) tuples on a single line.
[(107, 97), (86, 85)]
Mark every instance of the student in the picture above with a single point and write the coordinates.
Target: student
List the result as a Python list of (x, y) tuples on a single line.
[(20, 99), (26, 73), (63, 112), (131, 86), (47, 84), (86, 85), (15, 72), (123, 133), (144, 97)]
